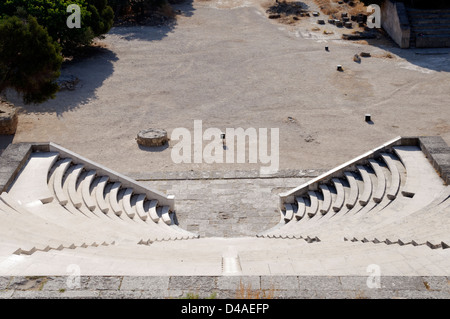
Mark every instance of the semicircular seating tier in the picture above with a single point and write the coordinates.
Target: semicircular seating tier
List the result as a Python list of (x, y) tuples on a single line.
[(390, 195), (61, 200)]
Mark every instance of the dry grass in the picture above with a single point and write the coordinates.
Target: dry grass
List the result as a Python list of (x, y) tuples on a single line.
[(331, 7), (385, 55), (364, 42), (248, 293), (327, 7)]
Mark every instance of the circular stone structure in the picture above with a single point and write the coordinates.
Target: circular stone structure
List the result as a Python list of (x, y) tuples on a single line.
[(152, 137)]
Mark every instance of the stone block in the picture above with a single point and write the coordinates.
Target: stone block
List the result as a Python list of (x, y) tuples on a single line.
[(27, 283), (402, 283), (354, 283), (192, 283), (235, 283), (152, 137), (436, 283), (4, 282), (279, 283), (144, 283), (102, 283), (319, 283)]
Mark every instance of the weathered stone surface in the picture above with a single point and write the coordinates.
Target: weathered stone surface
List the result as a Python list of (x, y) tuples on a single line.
[(152, 137), (8, 118), (437, 283), (144, 283), (234, 283), (192, 283), (4, 282), (319, 283), (103, 283), (27, 283), (279, 283), (280, 287), (61, 283)]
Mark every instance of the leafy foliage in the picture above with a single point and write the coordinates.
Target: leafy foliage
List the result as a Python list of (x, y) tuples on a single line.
[(137, 7), (29, 59), (96, 18)]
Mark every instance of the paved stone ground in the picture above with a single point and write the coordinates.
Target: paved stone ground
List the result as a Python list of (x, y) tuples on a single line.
[(242, 205), (248, 287)]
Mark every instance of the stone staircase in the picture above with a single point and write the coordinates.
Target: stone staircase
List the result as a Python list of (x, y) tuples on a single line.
[(429, 28), (62, 201), (390, 195), (388, 207)]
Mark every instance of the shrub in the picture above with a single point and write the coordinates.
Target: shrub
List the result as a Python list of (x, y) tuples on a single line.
[(29, 59), (96, 19)]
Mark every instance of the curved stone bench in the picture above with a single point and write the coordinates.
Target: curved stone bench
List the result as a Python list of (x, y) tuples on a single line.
[(326, 203), (75, 197), (392, 192), (340, 198), (314, 200), (60, 171), (301, 208), (99, 191), (288, 213), (137, 201), (113, 198), (85, 187), (354, 192), (378, 192), (367, 191)]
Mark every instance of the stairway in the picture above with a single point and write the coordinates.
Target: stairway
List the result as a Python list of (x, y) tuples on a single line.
[(429, 28), (394, 196), (57, 202)]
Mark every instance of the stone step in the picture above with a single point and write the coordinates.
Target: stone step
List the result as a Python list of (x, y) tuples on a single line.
[(379, 190), (430, 26), (393, 190), (29, 185), (91, 202), (420, 32), (367, 189)]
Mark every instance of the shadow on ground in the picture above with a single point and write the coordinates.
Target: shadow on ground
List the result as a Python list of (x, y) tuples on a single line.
[(92, 69), (154, 149), (95, 66), (429, 59), (154, 33)]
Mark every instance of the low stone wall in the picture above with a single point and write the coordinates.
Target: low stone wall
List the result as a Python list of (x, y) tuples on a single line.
[(225, 287), (438, 153), (395, 21)]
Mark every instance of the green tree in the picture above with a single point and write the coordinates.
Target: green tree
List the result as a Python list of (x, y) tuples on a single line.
[(138, 7), (96, 19), (29, 59)]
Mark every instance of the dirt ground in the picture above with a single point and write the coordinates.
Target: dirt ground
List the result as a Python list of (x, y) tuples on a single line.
[(225, 63)]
